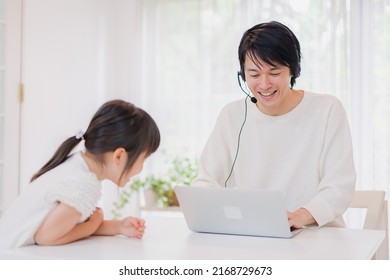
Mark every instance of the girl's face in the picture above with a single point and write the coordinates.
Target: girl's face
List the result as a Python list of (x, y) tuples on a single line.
[(270, 84), (135, 169), (115, 164)]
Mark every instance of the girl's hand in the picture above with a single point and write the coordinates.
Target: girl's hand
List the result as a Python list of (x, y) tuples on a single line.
[(132, 227)]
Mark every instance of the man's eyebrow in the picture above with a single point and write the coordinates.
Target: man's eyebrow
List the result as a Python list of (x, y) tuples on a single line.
[(271, 69), (275, 67)]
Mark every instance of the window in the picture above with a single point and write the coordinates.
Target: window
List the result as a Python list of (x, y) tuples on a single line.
[(370, 95), (189, 65)]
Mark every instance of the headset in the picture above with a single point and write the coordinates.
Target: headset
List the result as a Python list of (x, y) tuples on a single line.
[(254, 100), (241, 76)]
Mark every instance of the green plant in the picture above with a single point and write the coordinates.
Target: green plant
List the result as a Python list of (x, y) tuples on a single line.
[(181, 171)]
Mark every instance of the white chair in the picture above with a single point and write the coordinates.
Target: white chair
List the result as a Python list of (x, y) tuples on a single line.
[(376, 216)]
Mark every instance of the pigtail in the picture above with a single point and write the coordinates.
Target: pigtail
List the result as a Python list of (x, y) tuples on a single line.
[(59, 156)]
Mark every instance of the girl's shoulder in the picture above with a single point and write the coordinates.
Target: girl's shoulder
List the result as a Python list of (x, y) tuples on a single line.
[(74, 168), (81, 196), (75, 186), (74, 174)]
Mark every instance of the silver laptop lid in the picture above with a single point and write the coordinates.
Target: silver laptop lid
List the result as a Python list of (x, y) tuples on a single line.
[(242, 211)]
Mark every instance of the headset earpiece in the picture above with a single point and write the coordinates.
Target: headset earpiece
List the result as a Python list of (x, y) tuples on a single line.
[(241, 73)]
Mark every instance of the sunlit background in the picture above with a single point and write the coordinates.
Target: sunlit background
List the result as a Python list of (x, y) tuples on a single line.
[(178, 60), (189, 64)]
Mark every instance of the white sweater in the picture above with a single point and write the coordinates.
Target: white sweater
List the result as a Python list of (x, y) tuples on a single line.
[(307, 153)]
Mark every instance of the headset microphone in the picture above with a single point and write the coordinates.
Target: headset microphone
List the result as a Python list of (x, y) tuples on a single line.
[(253, 99)]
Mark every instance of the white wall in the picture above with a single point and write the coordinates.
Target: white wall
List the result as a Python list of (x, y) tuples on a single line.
[(63, 74), (12, 51), (76, 55), (123, 43)]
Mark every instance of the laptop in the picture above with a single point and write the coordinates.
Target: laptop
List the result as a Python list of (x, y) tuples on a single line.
[(254, 212)]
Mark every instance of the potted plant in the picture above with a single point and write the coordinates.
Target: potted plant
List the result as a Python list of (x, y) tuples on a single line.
[(159, 190)]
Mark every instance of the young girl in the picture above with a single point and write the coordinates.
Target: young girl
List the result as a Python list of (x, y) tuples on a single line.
[(60, 204)]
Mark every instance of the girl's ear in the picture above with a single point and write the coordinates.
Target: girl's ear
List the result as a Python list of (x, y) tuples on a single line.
[(119, 155)]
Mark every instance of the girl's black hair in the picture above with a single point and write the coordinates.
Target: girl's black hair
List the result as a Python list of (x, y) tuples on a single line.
[(273, 43), (116, 124)]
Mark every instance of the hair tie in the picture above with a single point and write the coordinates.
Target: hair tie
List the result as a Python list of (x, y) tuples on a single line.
[(80, 134)]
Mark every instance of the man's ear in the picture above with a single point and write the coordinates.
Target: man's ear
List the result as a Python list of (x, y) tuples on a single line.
[(119, 155)]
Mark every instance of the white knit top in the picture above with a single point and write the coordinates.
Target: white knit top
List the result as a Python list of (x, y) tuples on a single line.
[(306, 153), (70, 183)]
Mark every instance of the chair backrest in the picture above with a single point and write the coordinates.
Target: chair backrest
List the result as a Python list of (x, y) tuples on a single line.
[(376, 216)]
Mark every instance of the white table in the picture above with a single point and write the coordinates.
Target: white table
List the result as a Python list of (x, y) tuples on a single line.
[(168, 238)]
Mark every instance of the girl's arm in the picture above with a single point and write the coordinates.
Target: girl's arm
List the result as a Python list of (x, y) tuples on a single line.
[(130, 227), (61, 226)]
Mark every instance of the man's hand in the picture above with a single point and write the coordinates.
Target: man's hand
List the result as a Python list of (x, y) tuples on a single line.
[(300, 218)]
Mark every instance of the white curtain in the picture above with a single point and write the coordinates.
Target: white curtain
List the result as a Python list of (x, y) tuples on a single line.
[(189, 64)]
